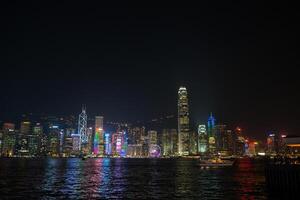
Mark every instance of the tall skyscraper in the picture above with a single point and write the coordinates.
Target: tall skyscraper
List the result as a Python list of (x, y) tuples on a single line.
[(202, 139), (169, 142), (34, 139), (25, 127), (8, 142), (82, 127), (183, 122), (68, 142), (53, 143), (23, 138), (211, 134), (152, 137), (221, 139), (99, 136)]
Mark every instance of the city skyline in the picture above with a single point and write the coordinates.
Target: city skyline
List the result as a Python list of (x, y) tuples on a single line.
[(146, 100), (193, 124)]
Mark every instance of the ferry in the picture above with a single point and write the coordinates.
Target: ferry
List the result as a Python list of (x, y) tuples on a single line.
[(215, 162)]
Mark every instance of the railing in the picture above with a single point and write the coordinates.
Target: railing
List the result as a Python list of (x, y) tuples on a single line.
[(283, 176)]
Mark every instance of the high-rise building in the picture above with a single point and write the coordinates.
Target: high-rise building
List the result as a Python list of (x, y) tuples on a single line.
[(76, 144), (8, 143), (274, 143), (68, 142), (8, 126), (193, 143), (25, 127), (107, 142), (221, 139), (202, 139), (53, 142), (135, 135), (99, 136), (152, 137), (34, 139), (211, 134), (82, 127), (230, 138), (169, 142), (183, 122), (240, 142), (119, 144)]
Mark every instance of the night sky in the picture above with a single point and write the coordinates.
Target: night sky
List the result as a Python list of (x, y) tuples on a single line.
[(126, 62)]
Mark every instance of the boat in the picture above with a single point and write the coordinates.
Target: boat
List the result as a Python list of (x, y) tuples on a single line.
[(215, 162)]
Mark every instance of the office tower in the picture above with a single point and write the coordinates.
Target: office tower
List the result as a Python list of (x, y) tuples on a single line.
[(183, 122), (152, 137), (8, 142), (166, 146), (211, 134), (169, 142), (221, 139), (90, 140), (25, 127), (239, 142), (86, 148), (53, 146), (230, 142), (107, 142), (202, 139), (68, 142), (135, 135), (124, 144), (61, 141), (252, 148), (76, 144), (82, 127), (99, 136), (119, 144), (34, 139), (193, 143), (271, 144)]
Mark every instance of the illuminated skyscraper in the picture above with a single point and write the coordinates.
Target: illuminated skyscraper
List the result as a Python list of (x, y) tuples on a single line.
[(82, 127), (211, 134), (202, 139), (169, 142), (8, 143), (23, 138), (107, 144), (34, 139), (53, 142), (68, 142), (25, 127), (221, 139), (152, 137), (183, 122), (99, 136)]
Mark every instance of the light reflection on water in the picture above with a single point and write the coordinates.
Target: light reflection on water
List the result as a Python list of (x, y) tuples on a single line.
[(128, 178)]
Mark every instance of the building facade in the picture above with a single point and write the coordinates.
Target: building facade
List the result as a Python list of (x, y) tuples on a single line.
[(183, 122)]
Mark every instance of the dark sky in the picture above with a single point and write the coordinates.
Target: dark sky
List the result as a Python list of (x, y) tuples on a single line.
[(126, 62)]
